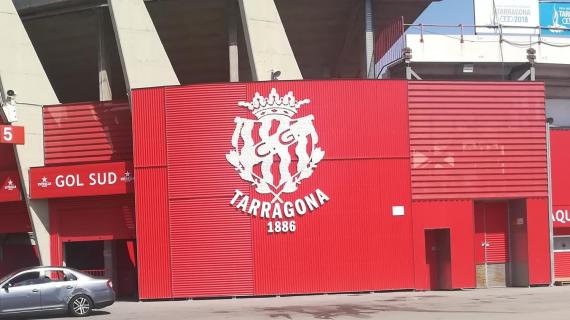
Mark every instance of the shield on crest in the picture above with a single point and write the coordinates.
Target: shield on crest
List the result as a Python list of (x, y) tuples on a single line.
[(275, 152)]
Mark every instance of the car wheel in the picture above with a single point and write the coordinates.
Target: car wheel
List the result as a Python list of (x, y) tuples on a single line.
[(80, 306)]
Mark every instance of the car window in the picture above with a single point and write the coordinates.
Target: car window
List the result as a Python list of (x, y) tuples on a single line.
[(26, 279), (55, 275)]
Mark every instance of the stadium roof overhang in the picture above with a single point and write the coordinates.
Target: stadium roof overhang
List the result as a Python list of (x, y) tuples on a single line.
[(327, 37)]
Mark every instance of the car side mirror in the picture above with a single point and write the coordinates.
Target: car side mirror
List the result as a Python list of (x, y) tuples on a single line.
[(6, 286)]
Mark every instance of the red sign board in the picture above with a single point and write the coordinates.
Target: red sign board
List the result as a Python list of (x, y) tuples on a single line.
[(561, 216), (10, 186), (81, 180), (11, 134)]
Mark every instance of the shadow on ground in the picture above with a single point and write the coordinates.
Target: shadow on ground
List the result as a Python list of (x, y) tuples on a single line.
[(353, 310)]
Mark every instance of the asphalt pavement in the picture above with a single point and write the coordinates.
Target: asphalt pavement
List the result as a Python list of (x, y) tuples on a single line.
[(501, 303)]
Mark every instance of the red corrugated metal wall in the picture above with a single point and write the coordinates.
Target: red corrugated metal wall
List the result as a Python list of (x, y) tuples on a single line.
[(211, 246), (68, 221), (474, 140), (151, 194), (216, 250), (562, 264), (101, 131), (538, 241), (116, 211), (457, 216), (343, 245)]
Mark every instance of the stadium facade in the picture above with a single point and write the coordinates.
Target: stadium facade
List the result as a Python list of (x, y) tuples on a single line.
[(239, 148)]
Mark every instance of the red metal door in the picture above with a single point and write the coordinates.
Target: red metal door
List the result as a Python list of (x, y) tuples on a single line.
[(491, 243), (438, 259)]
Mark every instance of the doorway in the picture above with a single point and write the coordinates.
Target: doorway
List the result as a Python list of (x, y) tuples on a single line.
[(438, 259), (112, 259)]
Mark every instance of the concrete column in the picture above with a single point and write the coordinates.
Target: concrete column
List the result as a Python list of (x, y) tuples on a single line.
[(233, 54), (105, 92), (21, 71), (368, 40), (143, 58), (267, 44)]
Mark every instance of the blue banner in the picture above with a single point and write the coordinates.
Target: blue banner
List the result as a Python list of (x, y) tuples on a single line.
[(555, 15)]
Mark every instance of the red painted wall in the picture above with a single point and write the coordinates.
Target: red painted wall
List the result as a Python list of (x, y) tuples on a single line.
[(457, 216)]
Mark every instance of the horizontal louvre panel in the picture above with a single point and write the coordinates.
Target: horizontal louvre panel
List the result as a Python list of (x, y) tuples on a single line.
[(470, 140), (562, 264), (89, 132)]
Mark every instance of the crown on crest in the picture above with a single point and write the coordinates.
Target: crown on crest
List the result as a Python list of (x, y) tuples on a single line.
[(274, 104)]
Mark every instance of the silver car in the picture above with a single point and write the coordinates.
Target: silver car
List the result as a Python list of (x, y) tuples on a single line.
[(53, 290)]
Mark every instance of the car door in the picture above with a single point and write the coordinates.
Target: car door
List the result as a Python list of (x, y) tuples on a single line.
[(21, 293), (57, 290)]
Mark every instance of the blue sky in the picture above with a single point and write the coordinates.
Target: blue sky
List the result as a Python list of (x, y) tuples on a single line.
[(450, 12)]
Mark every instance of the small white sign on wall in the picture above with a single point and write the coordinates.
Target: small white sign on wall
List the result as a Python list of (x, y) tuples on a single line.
[(398, 211)]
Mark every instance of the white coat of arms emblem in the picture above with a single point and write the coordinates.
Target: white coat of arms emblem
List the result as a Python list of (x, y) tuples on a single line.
[(275, 153)]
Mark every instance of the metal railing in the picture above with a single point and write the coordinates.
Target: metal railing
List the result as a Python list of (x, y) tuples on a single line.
[(391, 39)]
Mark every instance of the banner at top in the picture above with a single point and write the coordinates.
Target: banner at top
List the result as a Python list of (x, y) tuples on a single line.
[(555, 15), (522, 16)]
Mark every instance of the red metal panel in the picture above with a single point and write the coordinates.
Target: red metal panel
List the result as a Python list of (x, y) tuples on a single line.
[(562, 264), (81, 180), (149, 127), (560, 159), (200, 124), (479, 238), (474, 140), (352, 114), (151, 194), (153, 237), (118, 212), (351, 243), (14, 217), (538, 241), (88, 132), (211, 246), (458, 217), (496, 232)]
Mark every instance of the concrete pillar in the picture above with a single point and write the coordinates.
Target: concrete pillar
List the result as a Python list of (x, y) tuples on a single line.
[(21, 71), (143, 58), (233, 54), (105, 92), (267, 44), (368, 40)]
